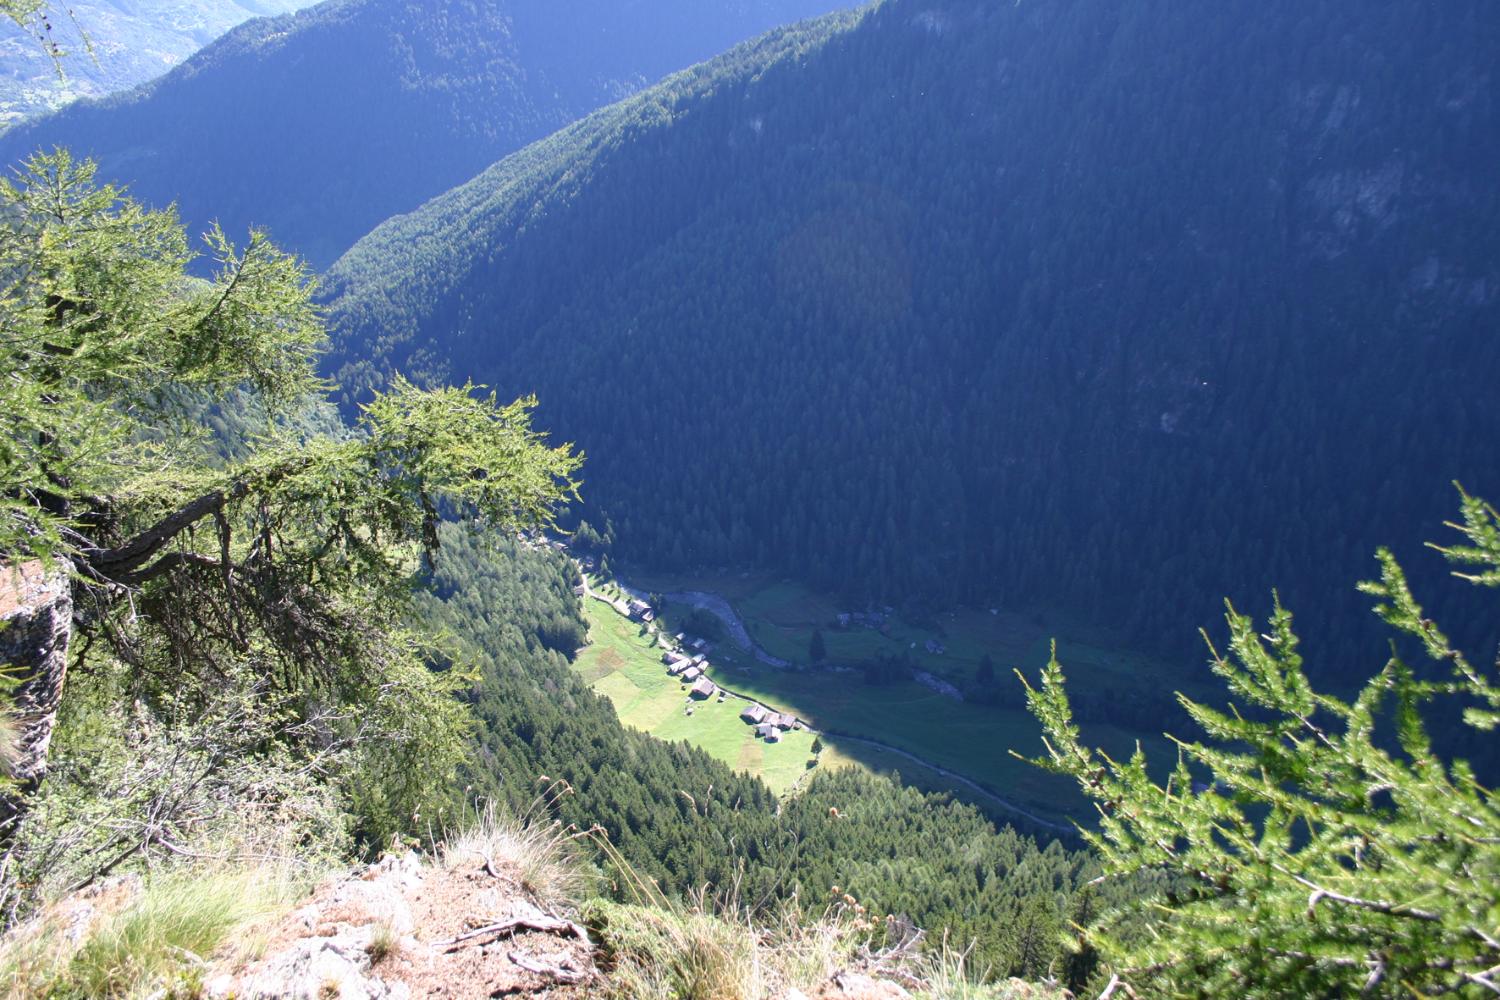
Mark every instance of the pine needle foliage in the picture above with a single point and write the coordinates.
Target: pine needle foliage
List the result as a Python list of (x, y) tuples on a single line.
[(282, 559), (1318, 847)]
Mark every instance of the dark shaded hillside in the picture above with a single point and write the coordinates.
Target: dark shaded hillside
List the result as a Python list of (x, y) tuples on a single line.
[(320, 124), (1112, 308)]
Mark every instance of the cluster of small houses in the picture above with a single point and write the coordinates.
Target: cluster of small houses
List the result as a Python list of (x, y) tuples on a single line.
[(691, 667), (689, 670), (876, 620), (768, 725)]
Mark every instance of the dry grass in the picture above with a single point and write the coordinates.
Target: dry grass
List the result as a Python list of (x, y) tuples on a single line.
[(947, 973), (678, 954), (384, 942), (541, 854), (720, 950), (717, 948)]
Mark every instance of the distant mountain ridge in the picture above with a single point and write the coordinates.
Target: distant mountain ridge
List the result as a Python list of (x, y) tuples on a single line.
[(321, 124), (111, 46), (1062, 304)]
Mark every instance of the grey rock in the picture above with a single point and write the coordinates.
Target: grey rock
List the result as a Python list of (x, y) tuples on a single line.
[(321, 968)]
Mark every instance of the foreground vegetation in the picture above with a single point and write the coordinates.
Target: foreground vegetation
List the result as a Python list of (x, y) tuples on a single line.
[(1319, 846), (205, 930), (150, 937), (220, 595)]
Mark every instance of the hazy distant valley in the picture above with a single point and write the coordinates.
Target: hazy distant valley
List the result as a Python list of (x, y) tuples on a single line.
[(110, 47)]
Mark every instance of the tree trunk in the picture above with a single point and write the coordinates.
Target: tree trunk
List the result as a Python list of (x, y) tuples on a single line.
[(36, 622)]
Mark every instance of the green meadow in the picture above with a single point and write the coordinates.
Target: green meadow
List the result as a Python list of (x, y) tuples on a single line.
[(625, 666), (621, 664), (971, 740)]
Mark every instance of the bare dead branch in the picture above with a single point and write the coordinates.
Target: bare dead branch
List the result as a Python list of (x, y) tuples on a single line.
[(561, 973), (543, 923)]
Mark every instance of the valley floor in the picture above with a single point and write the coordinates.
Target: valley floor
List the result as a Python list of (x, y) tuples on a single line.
[(932, 739), (625, 665)]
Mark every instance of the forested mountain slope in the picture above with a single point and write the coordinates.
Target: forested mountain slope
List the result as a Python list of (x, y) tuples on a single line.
[(320, 124), (110, 46), (1112, 308), (686, 820)]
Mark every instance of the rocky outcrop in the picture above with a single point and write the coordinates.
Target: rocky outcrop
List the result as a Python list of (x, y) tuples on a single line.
[(403, 929), (317, 968), (36, 622), (457, 926)]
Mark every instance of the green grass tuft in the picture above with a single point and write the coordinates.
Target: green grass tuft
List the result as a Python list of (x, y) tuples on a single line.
[(158, 944)]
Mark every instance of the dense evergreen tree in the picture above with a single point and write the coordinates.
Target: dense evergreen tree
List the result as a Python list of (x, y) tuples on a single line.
[(278, 569)]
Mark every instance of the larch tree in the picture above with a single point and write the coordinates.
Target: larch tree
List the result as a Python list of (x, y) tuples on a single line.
[(277, 555), (1311, 846)]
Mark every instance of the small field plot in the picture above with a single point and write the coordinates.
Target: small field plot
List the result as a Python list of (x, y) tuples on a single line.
[(626, 667)]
